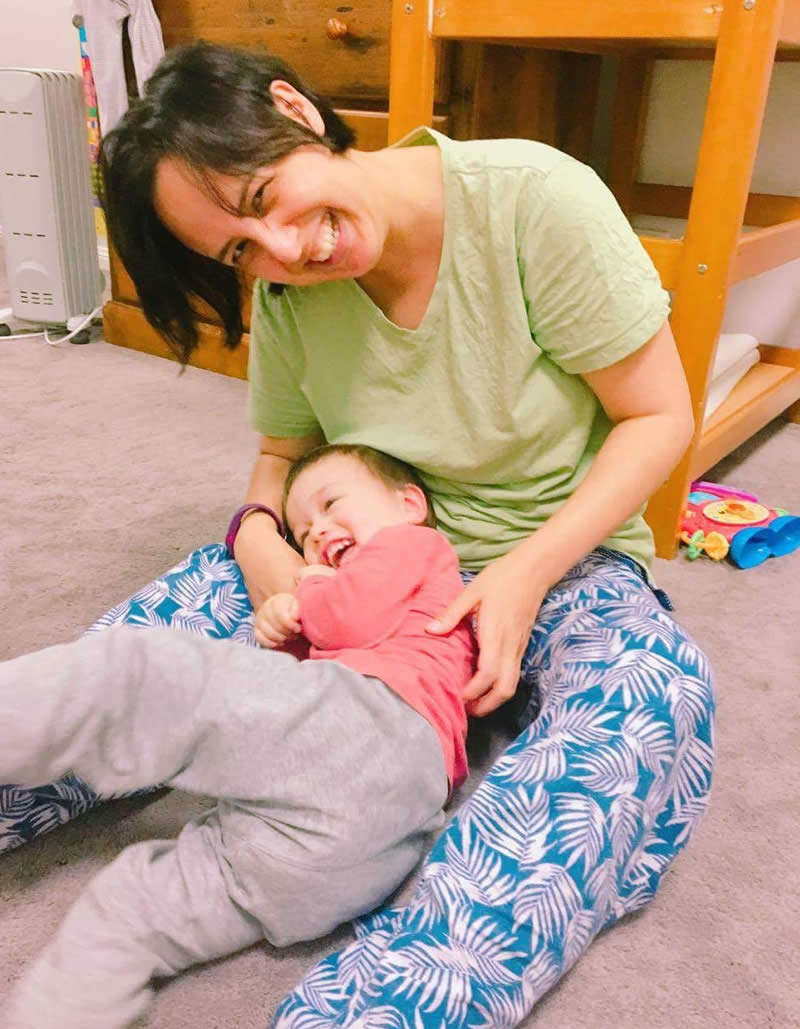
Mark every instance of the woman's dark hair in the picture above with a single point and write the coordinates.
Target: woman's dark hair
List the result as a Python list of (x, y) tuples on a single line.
[(210, 107), (391, 471)]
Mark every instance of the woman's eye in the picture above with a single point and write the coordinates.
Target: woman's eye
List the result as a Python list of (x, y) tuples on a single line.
[(238, 252), (258, 198)]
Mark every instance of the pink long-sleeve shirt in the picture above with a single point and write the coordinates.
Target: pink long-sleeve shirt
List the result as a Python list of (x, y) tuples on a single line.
[(371, 616)]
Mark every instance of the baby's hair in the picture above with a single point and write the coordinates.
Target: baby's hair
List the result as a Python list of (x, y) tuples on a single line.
[(391, 471)]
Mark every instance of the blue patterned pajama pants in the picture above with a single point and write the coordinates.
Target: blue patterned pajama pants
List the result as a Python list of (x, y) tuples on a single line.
[(574, 826)]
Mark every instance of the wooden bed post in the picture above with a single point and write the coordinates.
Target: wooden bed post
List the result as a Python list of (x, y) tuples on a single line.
[(628, 123), (739, 84), (411, 69)]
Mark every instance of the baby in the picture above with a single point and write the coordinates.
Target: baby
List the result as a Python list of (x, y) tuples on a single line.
[(330, 774)]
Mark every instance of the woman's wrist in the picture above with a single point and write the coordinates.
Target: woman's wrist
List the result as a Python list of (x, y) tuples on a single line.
[(246, 511), (256, 532), (550, 552), (267, 562)]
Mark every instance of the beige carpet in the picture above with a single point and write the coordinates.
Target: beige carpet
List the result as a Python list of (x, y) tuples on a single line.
[(113, 467)]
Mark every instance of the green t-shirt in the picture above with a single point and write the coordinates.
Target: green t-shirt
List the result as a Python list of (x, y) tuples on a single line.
[(541, 278)]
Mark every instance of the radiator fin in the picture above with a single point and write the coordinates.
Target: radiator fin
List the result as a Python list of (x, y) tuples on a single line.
[(46, 206)]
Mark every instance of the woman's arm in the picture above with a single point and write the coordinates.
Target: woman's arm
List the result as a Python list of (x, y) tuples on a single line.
[(646, 397), (269, 564)]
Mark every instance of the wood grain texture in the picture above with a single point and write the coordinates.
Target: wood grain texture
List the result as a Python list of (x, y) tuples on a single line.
[(762, 249), (731, 130), (673, 202), (413, 69), (764, 392), (628, 123), (666, 255), (355, 67), (126, 326), (576, 19)]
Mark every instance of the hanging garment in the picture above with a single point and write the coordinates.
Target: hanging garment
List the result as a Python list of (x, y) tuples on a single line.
[(102, 21)]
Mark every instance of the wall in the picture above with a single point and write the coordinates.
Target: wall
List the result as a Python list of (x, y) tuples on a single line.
[(768, 306), (39, 34)]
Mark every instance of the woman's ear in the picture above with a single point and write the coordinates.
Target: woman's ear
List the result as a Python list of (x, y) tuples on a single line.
[(415, 504), (296, 106)]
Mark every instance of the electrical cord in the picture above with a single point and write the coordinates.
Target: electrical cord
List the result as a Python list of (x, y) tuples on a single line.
[(22, 335), (62, 339), (73, 332)]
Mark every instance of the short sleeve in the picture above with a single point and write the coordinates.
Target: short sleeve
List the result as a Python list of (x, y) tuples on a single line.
[(592, 293), (276, 403)]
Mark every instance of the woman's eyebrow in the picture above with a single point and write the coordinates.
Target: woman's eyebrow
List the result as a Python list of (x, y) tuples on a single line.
[(243, 195)]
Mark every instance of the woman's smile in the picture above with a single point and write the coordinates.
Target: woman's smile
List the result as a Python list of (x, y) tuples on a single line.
[(326, 239)]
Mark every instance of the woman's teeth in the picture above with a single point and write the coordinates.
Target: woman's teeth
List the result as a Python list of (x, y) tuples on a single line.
[(326, 241)]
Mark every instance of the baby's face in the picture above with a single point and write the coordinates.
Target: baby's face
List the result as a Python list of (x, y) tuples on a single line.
[(337, 505)]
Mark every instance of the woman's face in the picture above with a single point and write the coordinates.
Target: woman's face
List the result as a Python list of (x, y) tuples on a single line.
[(300, 221)]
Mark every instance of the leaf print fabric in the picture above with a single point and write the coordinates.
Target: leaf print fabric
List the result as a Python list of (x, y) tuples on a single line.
[(573, 828), (205, 594)]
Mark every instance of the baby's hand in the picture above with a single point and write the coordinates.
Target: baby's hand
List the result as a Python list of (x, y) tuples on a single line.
[(277, 620), (314, 570)]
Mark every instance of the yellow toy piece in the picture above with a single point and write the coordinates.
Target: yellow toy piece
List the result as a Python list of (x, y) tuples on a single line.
[(714, 545), (736, 512)]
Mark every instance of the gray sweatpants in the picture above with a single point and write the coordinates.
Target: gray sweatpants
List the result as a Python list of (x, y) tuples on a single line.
[(329, 789)]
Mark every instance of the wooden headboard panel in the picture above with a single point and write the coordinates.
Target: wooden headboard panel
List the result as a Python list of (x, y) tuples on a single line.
[(352, 70)]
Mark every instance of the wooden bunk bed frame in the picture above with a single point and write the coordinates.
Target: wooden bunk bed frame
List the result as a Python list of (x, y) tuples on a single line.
[(744, 38)]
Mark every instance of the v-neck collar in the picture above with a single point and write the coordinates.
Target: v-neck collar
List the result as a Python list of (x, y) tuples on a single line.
[(432, 311)]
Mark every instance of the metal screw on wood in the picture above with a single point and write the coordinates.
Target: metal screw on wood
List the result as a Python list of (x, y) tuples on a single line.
[(749, 4), (409, 8), (702, 268), (337, 29)]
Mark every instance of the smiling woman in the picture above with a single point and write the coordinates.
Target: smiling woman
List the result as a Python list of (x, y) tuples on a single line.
[(482, 311), (277, 224), (203, 156)]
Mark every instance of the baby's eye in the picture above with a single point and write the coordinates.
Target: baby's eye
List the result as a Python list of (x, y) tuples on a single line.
[(330, 502), (238, 252)]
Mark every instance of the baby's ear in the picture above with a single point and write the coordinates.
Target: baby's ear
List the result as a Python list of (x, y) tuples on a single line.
[(415, 504)]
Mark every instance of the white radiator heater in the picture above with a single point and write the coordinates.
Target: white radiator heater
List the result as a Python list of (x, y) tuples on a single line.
[(46, 202)]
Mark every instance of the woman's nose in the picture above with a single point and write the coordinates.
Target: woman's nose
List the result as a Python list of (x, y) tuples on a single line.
[(283, 243)]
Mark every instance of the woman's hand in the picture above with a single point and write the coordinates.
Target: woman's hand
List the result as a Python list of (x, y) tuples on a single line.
[(646, 397), (277, 620), (506, 598), (268, 563)]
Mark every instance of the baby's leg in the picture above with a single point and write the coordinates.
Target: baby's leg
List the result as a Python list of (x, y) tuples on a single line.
[(160, 907), (323, 814), (130, 708)]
